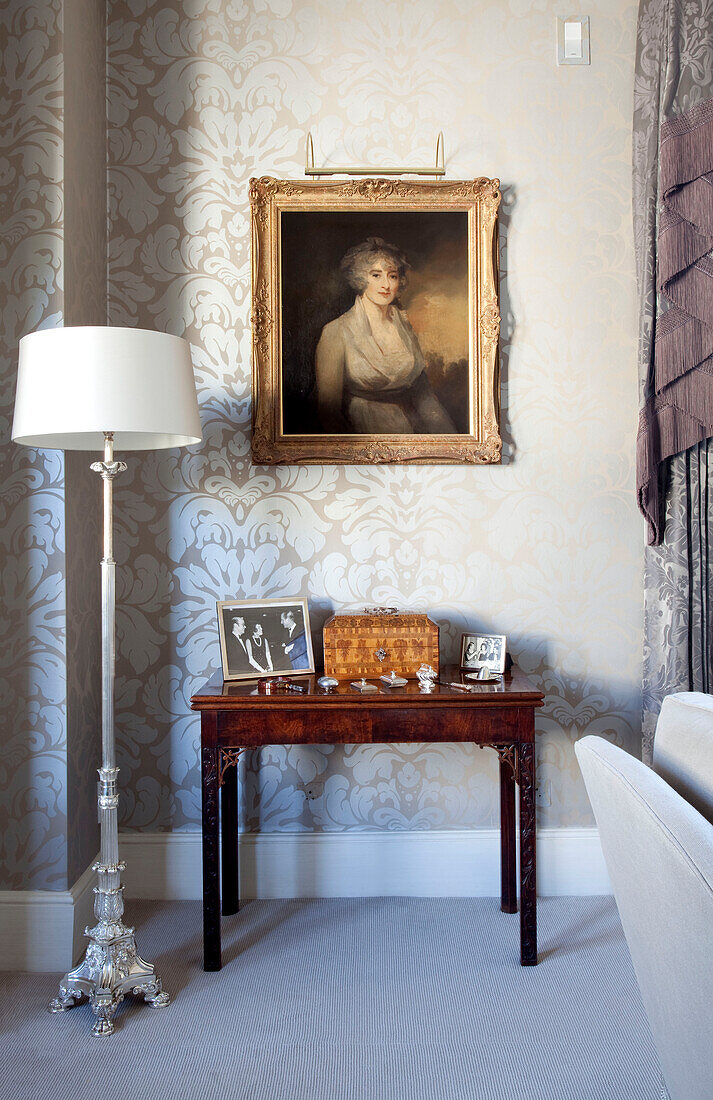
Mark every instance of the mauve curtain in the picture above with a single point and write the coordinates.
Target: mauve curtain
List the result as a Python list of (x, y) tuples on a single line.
[(674, 81)]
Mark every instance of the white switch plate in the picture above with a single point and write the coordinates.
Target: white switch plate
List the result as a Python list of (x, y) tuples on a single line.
[(573, 40)]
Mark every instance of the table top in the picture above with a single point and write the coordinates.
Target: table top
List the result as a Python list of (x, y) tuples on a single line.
[(513, 689)]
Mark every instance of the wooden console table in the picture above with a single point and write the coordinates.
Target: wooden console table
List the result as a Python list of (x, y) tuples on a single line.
[(234, 717)]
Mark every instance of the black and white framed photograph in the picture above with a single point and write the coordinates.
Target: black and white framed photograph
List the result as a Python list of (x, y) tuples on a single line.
[(264, 638), (483, 651)]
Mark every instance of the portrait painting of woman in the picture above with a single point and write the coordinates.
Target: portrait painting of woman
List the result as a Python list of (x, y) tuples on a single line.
[(375, 321), (369, 368), (375, 336)]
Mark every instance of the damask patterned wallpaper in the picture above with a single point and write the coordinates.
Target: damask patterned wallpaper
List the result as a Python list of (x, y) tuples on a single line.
[(53, 263), (85, 304), (204, 94), (547, 548), (33, 793)]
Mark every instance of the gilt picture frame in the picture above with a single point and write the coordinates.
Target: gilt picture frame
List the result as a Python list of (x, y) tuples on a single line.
[(375, 322)]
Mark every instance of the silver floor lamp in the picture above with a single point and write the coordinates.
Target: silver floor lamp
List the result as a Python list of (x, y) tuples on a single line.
[(87, 389)]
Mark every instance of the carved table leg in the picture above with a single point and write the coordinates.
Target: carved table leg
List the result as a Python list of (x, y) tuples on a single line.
[(211, 872), (508, 868), (528, 869), (229, 830)]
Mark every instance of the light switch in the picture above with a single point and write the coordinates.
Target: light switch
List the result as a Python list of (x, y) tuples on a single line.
[(573, 40)]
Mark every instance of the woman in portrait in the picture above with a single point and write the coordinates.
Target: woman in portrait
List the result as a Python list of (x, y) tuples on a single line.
[(370, 370), (259, 650)]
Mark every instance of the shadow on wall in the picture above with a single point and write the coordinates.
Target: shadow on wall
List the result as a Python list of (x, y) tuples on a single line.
[(407, 787)]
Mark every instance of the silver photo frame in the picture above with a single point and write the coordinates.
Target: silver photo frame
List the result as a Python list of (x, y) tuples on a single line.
[(264, 638), (483, 651)]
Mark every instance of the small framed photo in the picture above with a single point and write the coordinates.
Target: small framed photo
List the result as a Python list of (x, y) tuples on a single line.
[(264, 638), (483, 651)]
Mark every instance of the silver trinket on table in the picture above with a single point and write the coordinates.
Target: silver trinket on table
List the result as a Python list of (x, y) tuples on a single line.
[(427, 677), (484, 675), (364, 686), (394, 681)]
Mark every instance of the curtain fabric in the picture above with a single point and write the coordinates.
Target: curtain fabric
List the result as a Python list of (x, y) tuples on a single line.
[(673, 84)]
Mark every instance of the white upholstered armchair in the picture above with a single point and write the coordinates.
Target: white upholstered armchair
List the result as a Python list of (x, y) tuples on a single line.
[(657, 838)]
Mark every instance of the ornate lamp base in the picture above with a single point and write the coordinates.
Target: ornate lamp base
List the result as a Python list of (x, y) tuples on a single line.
[(111, 968)]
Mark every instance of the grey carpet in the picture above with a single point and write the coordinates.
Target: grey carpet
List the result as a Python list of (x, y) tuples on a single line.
[(352, 999)]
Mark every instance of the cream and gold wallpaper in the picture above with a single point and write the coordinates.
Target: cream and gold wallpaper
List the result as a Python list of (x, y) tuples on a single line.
[(84, 240), (547, 548), (52, 272), (33, 784)]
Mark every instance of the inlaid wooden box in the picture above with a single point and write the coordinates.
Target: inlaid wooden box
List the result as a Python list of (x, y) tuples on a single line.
[(372, 645)]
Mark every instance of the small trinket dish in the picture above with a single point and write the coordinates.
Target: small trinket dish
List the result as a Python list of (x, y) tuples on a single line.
[(394, 681), (483, 676), (363, 686), (328, 683)]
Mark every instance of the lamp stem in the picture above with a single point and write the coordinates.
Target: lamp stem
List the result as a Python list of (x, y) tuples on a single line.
[(108, 867), (108, 574), (111, 966)]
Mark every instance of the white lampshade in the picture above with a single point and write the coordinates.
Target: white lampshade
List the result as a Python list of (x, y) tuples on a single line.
[(75, 384)]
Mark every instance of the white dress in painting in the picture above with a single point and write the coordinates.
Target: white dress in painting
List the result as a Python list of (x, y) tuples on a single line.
[(375, 388)]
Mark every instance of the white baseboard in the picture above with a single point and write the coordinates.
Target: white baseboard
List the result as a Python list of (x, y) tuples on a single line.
[(43, 930), (462, 863)]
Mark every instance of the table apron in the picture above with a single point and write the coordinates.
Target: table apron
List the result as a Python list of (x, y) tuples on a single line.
[(303, 726)]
